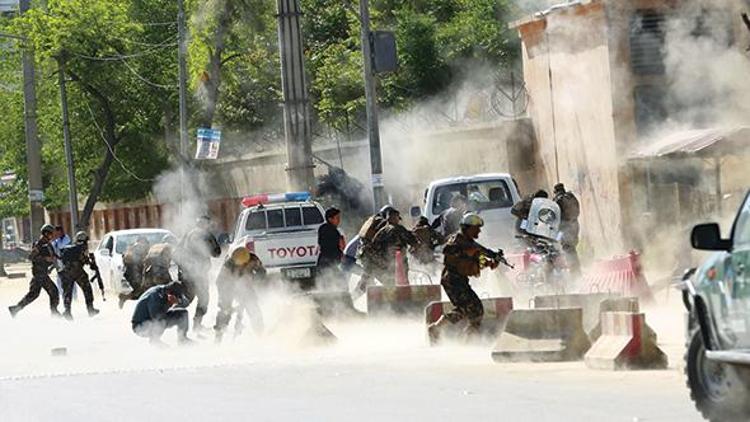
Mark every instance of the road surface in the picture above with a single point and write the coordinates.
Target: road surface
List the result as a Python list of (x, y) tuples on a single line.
[(378, 370)]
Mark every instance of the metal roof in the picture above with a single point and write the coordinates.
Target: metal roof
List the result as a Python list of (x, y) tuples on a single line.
[(697, 142)]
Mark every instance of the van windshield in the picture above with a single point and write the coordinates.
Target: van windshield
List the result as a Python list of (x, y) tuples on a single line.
[(482, 195)]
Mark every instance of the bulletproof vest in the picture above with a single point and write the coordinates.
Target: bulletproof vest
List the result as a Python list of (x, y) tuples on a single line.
[(40, 250), (569, 206), (371, 227), (71, 254), (159, 255), (457, 258)]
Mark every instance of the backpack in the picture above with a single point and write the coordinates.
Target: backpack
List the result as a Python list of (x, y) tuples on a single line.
[(371, 227), (71, 253)]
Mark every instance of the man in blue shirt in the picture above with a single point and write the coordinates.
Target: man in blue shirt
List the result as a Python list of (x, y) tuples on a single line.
[(159, 308), (61, 240)]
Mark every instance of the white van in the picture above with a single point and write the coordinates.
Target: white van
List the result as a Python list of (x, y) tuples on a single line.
[(490, 195)]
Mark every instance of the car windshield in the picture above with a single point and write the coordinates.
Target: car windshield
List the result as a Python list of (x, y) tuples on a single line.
[(125, 240), (482, 195)]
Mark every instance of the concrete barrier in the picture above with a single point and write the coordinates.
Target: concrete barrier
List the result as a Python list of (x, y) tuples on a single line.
[(400, 300), (590, 304), (626, 343), (496, 311), (622, 304), (542, 335)]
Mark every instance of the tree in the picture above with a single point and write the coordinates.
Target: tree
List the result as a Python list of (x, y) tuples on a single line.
[(115, 110)]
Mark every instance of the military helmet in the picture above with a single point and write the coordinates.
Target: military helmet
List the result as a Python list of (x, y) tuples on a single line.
[(82, 237), (472, 220), (240, 256), (385, 210), (47, 228)]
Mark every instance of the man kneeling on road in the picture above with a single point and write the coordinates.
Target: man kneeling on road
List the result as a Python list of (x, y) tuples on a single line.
[(463, 259), (159, 308)]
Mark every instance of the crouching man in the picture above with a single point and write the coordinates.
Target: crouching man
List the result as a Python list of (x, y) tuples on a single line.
[(242, 269), (159, 308)]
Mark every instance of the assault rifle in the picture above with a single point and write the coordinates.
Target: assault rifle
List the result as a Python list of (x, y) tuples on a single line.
[(487, 254), (97, 275)]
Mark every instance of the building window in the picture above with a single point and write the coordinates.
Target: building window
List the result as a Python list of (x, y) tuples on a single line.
[(647, 31), (650, 107)]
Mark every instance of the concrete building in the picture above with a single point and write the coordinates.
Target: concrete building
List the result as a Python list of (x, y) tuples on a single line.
[(600, 77)]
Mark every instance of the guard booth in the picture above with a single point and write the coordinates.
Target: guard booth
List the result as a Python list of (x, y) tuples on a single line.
[(685, 178)]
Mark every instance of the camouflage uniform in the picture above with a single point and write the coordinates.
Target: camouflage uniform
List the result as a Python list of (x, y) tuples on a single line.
[(569, 228), (155, 270), (366, 252), (73, 273), (134, 259), (388, 240), (461, 262), (428, 238), (41, 257), (197, 249), (236, 283)]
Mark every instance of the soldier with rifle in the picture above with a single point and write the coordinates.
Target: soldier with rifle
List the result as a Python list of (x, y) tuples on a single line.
[(74, 257), (464, 258)]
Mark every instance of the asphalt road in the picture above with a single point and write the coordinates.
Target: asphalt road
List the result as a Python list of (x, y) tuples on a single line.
[(378, 370)]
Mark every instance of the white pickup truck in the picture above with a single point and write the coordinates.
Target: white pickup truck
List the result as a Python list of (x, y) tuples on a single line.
[(282, 230), (491, 195)]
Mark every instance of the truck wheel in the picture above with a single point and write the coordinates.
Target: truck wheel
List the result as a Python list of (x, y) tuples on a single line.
[(715, 388)]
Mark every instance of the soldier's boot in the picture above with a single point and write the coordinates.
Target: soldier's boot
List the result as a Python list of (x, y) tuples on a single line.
[(55, 313), (433, 330), (68, 315), (14, 310), (198, 327), (122, 298), (93, 311)]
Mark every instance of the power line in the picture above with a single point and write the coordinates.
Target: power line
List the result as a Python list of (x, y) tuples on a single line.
[(111, 151), (169, 42), (144, 80)]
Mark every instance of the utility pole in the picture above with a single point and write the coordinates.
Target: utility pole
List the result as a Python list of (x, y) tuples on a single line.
[(33, 149), (72, 192), (297, 129), (182, 64), (373, 131)]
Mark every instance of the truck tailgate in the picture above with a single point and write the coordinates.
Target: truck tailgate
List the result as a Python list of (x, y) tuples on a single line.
[(286, 249)]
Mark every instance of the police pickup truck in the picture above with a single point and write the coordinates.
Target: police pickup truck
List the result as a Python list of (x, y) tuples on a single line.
[(282, 230), (490, 195)]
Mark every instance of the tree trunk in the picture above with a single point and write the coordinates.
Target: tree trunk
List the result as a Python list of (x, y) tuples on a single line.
[(212, 76), (112, 139)]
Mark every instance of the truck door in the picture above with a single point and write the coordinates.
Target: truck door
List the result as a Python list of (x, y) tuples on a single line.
[(737, 288)]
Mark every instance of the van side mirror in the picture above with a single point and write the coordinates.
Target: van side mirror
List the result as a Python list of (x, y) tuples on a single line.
[(415, 212), (707, 237)]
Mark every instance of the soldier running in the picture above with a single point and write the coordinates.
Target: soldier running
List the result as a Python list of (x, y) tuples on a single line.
[(240, 271), (42, 258), (463, 259), (391, 239), (429, 239), (74, 257), (134, 259), (196, 250)]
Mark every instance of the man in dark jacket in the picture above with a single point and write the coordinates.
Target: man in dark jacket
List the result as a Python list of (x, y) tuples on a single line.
[(42, 258), (159, 308), (330, 241), (74, 257), (570, 209)]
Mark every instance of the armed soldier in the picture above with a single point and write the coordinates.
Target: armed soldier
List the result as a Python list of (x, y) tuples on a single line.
[(240, 271), (391, 238), (365, 252), (429, 239), (570, 209), (196, 250), (42, 258), (464, 258), (134, 259), (74, 257), (155, 268)]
